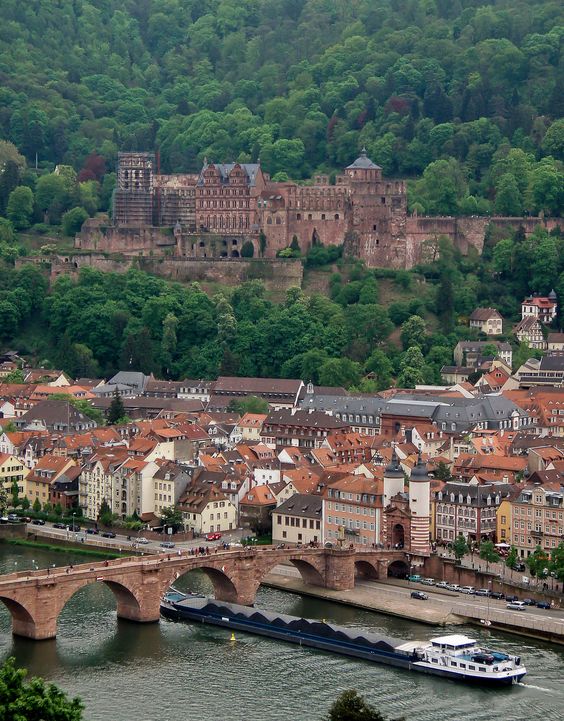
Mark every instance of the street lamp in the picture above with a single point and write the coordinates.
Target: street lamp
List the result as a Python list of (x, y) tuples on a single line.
[(73, 515)]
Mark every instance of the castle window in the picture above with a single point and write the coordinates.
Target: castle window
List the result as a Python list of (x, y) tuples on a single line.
[(278, 221), (383, 200), (336, 216), (298, 216), (310, 216), (373, 227), (269, 221), (322, 216), (234, 241), (202, 244)]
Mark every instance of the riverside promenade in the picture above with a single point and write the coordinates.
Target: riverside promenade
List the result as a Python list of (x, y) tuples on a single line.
[(392, 598)]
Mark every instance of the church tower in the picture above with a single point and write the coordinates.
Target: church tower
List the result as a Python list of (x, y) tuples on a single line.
[(420, 504), (393, 479)]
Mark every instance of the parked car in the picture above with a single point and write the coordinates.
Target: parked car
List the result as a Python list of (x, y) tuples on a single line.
[(470, 590), (59, 525), (441, 584), (142, 540), (497, 595), (520, 567), (453, 587), (415, 579), (108, 534), (76, 528), (517, 606), (511, 599), (529, 602), (482, 592), (428, 581), (543, 604), (38, 522), (419, 595), (167, 544), (92, 531), (13, 518), (213, 536)]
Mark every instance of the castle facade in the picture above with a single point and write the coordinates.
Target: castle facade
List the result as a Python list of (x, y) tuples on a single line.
[(215, 212)]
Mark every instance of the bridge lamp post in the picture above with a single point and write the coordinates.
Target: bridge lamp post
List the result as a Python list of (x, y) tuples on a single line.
[(73, 526)]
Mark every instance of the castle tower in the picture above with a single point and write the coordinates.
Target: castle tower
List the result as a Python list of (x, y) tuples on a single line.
[(376, 231), (420, 504), (393, 479), (133, 196)]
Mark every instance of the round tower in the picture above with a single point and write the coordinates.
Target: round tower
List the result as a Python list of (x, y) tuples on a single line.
[(420, 505), (393, 479)]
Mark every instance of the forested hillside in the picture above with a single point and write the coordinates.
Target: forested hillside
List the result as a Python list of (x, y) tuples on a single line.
[(372, 327), (443, 89)]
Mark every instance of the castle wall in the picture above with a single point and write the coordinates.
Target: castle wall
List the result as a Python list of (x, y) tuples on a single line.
[(144, 240), (277, 275)]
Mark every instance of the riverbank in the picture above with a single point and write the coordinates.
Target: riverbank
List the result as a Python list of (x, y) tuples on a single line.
[(63, 547), (379, 600), (366, 599)]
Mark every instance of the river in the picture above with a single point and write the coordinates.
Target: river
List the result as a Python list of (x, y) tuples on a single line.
[(173, 671)]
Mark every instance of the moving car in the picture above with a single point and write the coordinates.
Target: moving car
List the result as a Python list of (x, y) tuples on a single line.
[(38, 522), (142, 540), (59, 525), (167, 544), (543, 604), (92, 531), (213, 536), (108, 534), (419, 595), (516, 606)]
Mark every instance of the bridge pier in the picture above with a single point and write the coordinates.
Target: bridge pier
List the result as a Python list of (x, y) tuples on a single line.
[(339, 570)]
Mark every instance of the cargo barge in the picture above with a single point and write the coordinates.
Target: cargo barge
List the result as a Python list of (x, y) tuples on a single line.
[(454, 656)]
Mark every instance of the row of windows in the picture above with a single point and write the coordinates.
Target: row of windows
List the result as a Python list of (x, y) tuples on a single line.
[(295, 522), (218, 515), (361, 510), (223, 204), (358, 540), (354, 418), (346, 496), (349, 523), (228, 221)]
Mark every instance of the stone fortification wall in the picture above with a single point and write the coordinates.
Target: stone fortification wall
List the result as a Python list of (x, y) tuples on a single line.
[(277, 275), (145, 240)]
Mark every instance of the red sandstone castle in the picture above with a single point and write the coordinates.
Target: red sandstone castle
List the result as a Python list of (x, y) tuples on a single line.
[(227, 204), (214, 213)]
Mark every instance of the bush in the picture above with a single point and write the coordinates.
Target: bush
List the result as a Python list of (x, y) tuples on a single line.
[(73, 220), (248, 249), (320, 255), (41, 228)]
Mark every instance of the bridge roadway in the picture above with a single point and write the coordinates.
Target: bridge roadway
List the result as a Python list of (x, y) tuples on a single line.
[(36, 598)]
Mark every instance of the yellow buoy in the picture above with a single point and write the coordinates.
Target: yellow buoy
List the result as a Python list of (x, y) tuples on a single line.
[(233, 636)]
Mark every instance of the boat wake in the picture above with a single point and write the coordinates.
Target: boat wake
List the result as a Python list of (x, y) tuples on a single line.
[(537, 688)]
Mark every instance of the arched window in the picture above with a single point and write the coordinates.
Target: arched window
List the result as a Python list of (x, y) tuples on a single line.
[(336, 216), (269, 221)]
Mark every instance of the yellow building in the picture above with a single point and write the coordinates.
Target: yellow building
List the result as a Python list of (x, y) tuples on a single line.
[(503, 521), (12, 469)]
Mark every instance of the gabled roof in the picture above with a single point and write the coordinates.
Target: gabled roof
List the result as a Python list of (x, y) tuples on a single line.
[(301, 504), (485, 314)]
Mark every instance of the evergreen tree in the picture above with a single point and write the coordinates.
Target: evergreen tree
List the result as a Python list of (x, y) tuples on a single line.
[(351, 706), (116, 410)]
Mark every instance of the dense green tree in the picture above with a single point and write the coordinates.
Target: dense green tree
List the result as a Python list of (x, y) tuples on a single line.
[(20, 207), (339, 372), (248, 250), (72, 221), (488, 553), (413, 332), (350, 706), (512, 558), (460, 547), (34, 700)]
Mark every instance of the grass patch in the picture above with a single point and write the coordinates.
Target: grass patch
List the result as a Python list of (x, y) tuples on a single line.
[(63, 549)]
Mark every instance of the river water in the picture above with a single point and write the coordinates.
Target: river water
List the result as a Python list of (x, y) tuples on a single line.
[(171, 671)]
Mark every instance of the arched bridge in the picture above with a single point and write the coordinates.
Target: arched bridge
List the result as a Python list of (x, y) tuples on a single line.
[(36, 598)]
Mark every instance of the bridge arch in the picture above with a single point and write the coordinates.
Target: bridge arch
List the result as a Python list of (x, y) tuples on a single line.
[(366, 569), (22, 620), (308, 571), (398, 569), (128, 604)]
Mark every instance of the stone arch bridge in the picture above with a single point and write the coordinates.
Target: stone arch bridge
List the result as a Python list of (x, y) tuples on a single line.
[(36, 598)]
